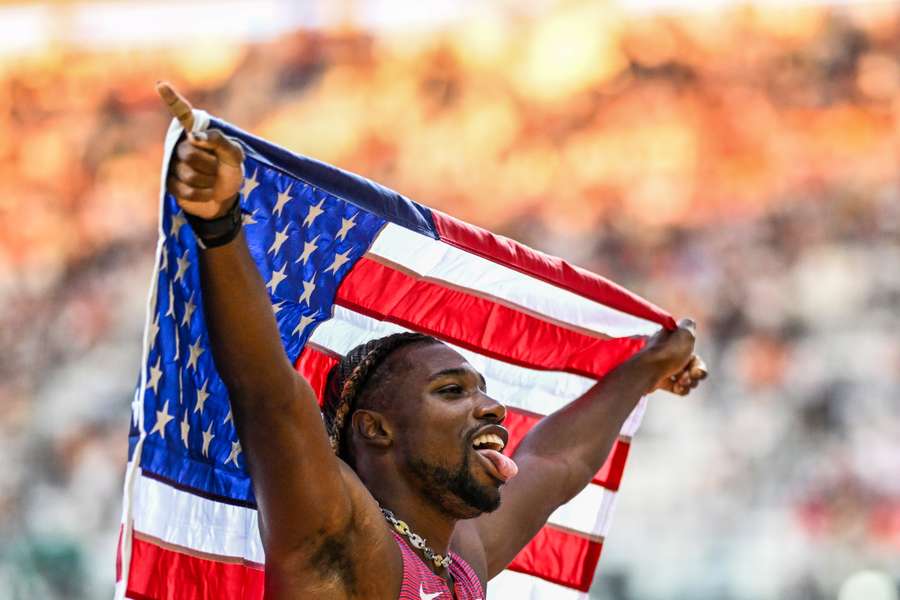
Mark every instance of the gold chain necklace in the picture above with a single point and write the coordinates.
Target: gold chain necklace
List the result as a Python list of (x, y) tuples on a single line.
[(416, 540)]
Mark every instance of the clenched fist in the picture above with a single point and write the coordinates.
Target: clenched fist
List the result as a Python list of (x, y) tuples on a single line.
[(672, 354), (206, 171)]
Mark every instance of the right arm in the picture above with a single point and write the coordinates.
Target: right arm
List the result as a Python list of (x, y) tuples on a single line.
[(301, 487)]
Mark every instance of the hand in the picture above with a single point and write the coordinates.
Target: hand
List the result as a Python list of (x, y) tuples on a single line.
[(207, 170), (672, 354)]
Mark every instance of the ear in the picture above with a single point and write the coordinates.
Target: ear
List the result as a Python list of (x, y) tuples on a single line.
[(372, 428)]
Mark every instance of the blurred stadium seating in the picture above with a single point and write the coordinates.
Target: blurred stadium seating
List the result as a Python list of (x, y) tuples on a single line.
[(740, 167)]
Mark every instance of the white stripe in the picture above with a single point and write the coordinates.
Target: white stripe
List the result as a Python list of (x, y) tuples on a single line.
[(184, 519), (189, 521), (590, 511), (434, 259), (509, 584)]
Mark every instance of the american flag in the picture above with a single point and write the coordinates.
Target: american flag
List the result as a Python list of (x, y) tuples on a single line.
[(347, 260)]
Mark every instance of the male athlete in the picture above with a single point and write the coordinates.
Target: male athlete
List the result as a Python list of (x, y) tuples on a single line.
[(402, 492)]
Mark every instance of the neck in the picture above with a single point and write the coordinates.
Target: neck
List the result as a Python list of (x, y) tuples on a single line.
[(423, 516)]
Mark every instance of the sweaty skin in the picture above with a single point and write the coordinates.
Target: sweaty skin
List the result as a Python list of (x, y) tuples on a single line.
[(323, 532)]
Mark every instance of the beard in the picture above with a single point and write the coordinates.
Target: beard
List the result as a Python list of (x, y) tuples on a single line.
[(456, 490)]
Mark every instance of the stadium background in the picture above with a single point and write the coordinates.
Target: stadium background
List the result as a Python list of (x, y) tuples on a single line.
[(733, 163)]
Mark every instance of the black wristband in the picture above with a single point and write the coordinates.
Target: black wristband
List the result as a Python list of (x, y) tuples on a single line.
[(217, 232)]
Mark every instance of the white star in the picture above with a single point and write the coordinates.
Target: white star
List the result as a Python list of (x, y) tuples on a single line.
[(164, 264), (249, 185), (308, 249), (202, 395), (232, 456), (308, 288), (183, 264), (303, 324), (277, 307), (314, 212), (154, 330), (171, 310), (280, 238), (208, 436), (189, 308), (339, 260), (177, 223), (228, 417), (196, 351), (248, 218), (185, 429), (346, 226), (155, 375), (277, 277), (282, 200), (424, 596), (162, 419)]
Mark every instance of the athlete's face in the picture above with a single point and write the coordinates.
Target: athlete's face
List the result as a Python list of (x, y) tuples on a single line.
[(445, 410)]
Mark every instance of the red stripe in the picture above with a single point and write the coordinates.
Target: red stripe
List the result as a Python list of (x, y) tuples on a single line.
[(547, 268), (519, 423), (561, 557), (314, 366), (477, 323), (159, 573)]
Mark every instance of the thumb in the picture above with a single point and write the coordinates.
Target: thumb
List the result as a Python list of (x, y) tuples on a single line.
[(226, 149), (180, 108), (688, 324)]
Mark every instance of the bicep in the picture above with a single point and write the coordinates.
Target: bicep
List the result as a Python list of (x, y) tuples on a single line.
[(299, 483), (527, 501)]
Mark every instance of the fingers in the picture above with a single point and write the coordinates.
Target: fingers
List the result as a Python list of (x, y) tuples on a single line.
[(183, 191), (202, 161), (179, 107), (187, 174), (697, 369), (225, 149)]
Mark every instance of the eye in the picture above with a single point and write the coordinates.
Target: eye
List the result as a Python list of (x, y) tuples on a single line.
[(452, 389)]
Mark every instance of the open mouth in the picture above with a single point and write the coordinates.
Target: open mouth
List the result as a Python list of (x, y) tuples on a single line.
[(489, 445), (489, 441)]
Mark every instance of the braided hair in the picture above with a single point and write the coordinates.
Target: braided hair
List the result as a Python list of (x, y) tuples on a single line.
[(347, 379)]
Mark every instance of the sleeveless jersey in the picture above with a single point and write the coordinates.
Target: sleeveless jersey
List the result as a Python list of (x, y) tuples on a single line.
[(420, 583)]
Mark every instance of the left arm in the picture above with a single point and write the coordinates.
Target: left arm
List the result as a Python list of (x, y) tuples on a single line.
[(564, 451)]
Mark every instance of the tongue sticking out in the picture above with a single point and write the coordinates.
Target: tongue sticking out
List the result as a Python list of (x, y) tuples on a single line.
[(504, 465)]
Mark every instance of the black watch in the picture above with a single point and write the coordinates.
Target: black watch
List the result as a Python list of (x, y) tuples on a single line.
[(218, 232)]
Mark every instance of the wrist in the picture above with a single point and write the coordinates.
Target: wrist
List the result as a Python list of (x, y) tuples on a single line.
[(220, 230)]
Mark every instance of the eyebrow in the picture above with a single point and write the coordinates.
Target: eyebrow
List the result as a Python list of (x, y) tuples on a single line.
[(459, 372)]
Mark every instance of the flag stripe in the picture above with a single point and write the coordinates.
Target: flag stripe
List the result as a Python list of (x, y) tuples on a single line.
[(438, 261), (161, 573), (477, 323), (548, 268), (561, 557), (521, 586)]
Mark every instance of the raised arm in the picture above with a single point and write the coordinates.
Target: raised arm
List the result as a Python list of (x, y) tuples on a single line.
[(564, 451), (275, 411)]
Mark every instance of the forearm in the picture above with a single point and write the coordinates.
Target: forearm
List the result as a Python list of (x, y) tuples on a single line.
[(578, 437), (243, 332)]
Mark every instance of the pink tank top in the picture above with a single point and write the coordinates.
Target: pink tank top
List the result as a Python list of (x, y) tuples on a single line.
[(420, 583)]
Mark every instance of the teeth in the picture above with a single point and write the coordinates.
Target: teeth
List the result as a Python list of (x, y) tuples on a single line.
[(489, 438)]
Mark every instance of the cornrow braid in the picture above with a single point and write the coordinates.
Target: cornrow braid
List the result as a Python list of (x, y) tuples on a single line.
[(347, 379)]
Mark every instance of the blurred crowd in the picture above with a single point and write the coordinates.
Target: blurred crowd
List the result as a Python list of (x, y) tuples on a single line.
[(740, 168)]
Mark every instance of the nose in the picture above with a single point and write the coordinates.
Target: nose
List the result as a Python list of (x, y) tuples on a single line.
[(489, 409)]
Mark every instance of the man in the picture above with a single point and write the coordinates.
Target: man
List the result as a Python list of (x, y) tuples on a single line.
[(403, 491)]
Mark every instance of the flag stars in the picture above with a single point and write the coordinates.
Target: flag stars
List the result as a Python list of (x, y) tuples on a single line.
[(277, 277), (308, 249), (162, 419), (202, 395), (183, 264), (280, 238), (313, 214), (228, 418), (195, 351), (282, 200), (305, 322), (249, 185), (346, 226), (155, 376), (170, 312), (249, 218), (208, 436), (189, 309), (178, 222), (185, 430), (277, 307), (339, 260), (233, 455), (154, 330), (308, 288)]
